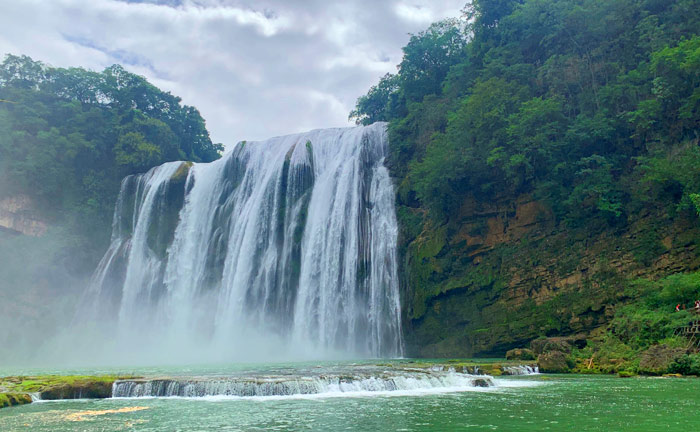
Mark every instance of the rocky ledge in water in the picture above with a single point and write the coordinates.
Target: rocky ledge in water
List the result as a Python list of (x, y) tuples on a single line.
[(19, 390), (383, 377), (499, 368), (350, 381)]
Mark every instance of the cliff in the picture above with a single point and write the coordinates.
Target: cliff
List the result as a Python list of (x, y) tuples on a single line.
[(547, 175), (19, 214), (499, 275)]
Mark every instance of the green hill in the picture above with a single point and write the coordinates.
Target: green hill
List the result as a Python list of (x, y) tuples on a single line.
[(548, 169)]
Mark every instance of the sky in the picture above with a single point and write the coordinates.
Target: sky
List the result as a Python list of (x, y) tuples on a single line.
[(254, 69)]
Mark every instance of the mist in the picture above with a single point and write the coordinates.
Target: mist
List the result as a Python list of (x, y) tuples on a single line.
[(39, 288)]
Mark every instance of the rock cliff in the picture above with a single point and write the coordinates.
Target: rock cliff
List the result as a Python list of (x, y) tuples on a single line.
[(18, 214), (501, 274)]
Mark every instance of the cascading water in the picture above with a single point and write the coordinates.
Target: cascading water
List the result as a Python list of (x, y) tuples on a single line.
[(298, 385), (285, 244)]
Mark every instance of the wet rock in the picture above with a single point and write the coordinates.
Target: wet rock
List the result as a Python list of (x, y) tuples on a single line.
[(482, 382), (553, 362), (520, 354), (13, 399), (90, 390), (657, 359)]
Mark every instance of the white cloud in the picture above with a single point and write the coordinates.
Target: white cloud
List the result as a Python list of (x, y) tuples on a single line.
[(254, 69), (415, 13)]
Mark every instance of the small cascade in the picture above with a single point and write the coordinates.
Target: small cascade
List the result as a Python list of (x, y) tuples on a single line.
[(521, 370), (290, 386), (280, 245)]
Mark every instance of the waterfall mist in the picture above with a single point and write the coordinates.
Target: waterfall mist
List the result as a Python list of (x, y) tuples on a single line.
[(281, 249)]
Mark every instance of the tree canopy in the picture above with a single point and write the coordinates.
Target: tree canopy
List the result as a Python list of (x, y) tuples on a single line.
[(586, 103), (68, 136)]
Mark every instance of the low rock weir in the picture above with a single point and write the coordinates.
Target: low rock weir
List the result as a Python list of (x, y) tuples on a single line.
[(291, 386), (521, 370), (281, 245)]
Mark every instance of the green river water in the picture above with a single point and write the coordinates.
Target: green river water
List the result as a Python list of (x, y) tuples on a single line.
[(522, 403)]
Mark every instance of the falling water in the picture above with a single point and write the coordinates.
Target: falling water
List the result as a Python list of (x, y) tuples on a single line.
[(287, 244)]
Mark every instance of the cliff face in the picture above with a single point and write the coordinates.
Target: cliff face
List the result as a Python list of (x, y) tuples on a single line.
[(18, 214), (499, 275)]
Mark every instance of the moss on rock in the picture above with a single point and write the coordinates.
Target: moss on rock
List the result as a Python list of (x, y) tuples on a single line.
[(50, 387), (520, 354), (13, 399), (553, 362)]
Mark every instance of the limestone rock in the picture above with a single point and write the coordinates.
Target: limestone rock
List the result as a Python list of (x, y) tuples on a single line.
[(657, 359), (553, 362), (82, 390), (18, 214), (563, 344), (520, 354), (481, 382)]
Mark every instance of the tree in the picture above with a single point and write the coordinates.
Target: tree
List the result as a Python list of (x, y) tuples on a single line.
[(379, 103)]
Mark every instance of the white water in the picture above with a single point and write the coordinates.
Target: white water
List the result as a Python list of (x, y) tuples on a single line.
[(282, 247), (296, 386), (521, 370)]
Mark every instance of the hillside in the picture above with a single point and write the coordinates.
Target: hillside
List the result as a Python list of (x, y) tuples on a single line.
[(547, 161)]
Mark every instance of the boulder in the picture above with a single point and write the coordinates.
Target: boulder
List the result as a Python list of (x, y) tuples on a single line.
[(563, 344), (553, 362), (657, 359), (520, 354), (482, 382)]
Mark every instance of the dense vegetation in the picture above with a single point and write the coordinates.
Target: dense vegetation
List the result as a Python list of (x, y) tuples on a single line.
[(591, 108), (68, 137)]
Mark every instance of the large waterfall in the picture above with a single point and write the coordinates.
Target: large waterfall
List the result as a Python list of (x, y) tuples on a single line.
[(284, 245)]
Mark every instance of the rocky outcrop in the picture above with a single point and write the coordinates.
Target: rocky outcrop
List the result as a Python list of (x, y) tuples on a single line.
[(553, 362), (503, 273), (657, 359), (81, 390), (563, 344), (18, 214), (16, 390), (14, 399), (520, 354)]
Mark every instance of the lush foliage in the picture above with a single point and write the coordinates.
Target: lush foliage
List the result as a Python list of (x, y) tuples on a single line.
[(68, 137), (574, 100), (649, 320), (588, 111)]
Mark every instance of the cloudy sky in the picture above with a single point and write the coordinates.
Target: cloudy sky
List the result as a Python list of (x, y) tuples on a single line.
[(255, 69)]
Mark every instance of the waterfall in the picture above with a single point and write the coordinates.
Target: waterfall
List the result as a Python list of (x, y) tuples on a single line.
[(298, 385), (283, 244)]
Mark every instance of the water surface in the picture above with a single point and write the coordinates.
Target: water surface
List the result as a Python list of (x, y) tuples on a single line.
[(527, 403)]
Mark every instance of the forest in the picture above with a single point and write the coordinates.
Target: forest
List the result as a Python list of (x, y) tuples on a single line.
[(588, 110), (69, 136)]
